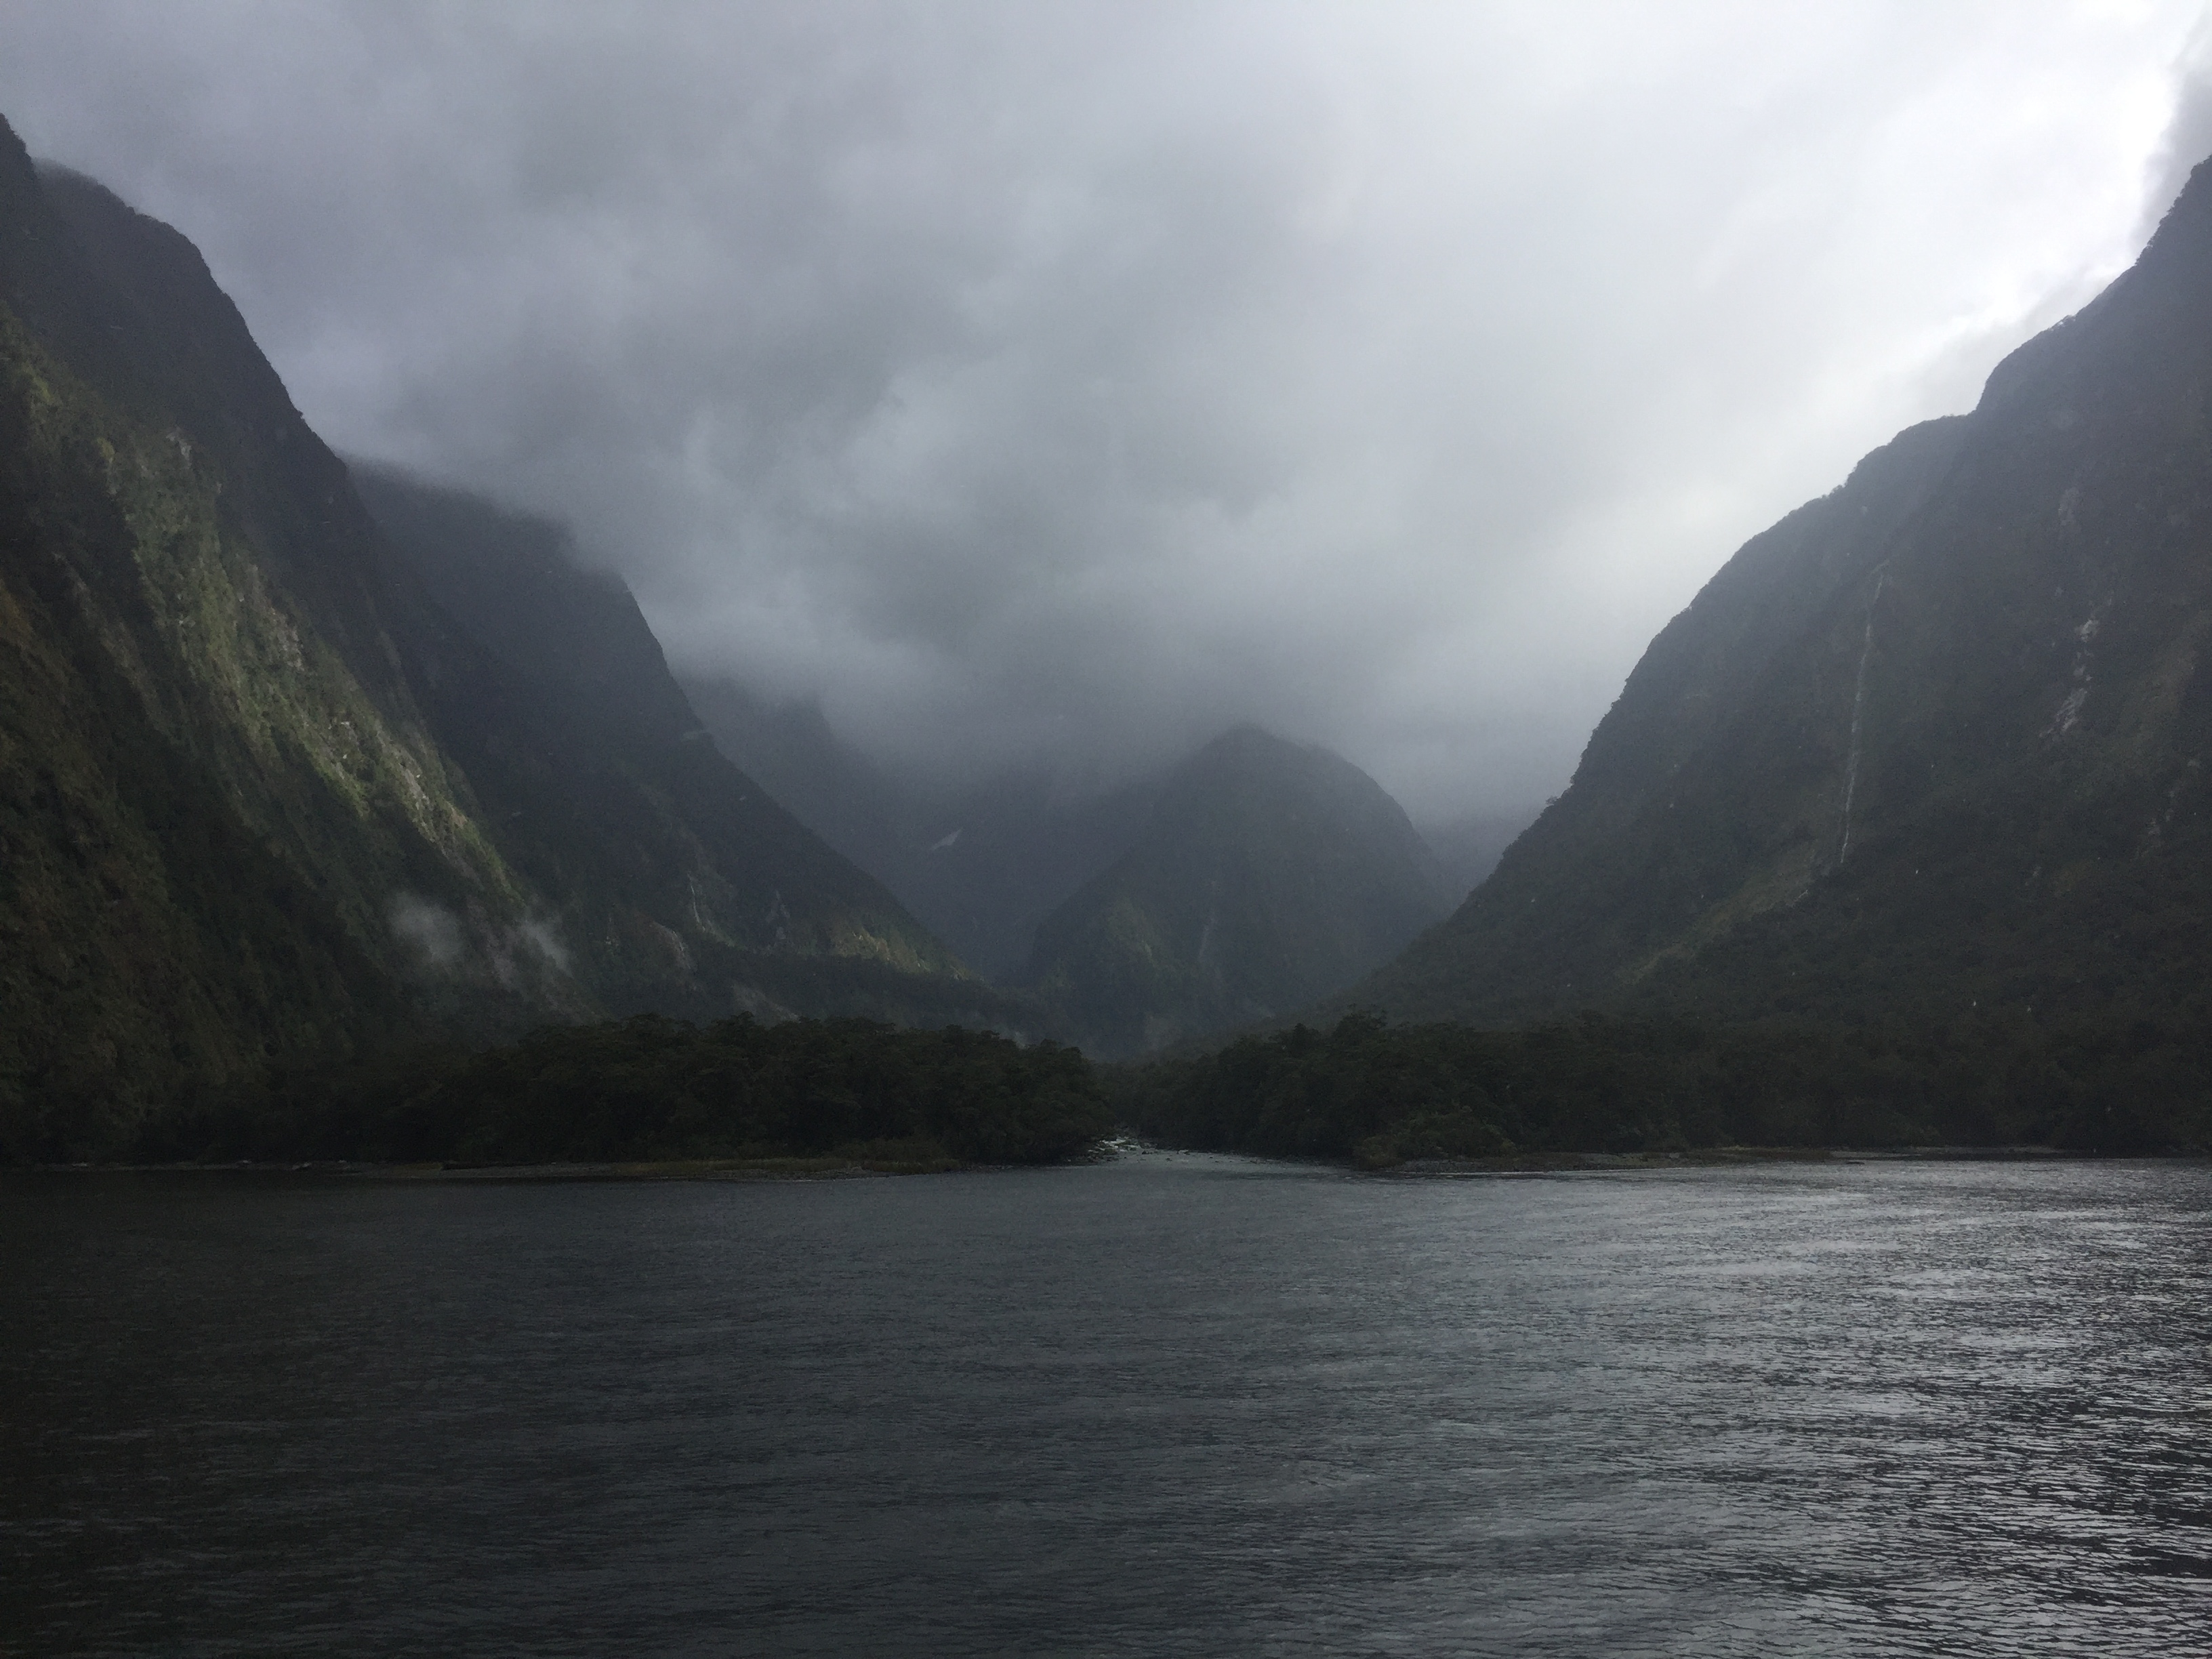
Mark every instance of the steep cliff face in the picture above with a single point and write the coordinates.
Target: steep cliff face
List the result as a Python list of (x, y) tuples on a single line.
[(263, 790), (683, 886), (1268, 874), (151, 933), (1937, 740), (215, 780)]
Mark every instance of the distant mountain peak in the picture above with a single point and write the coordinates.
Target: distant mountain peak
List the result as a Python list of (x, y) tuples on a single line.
[(1269, 873)]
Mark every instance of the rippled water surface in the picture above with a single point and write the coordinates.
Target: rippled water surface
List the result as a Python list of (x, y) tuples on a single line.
[(1174, 1404)]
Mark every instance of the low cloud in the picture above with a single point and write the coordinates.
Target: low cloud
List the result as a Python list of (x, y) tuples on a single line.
[(449, 944), (542, 937), (431, 929), (1076, 380)]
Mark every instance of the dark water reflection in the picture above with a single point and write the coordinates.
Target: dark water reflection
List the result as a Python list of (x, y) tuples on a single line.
[(1183, 1405)]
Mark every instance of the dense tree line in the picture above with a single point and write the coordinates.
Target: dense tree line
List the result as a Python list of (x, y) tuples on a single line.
[(652, 1088), (655, 1088), (1384, 1094)]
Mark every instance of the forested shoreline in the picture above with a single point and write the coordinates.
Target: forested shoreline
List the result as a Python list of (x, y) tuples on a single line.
[(1381, 1095), (652, 1088), (1362, 1091)]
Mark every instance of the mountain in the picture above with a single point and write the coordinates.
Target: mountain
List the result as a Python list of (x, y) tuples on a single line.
[(1935, 742), (1268, 874), (980, 865), (272, 784), (694, 889)]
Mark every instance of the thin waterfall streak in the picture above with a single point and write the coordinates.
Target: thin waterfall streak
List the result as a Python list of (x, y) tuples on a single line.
[(1858, 717)]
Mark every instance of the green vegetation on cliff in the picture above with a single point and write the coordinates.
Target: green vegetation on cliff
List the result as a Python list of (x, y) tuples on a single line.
[(677, 882), (197, 807), (277, 783)]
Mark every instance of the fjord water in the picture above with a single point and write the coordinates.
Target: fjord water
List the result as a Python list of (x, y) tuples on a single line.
[(1171, 1405)]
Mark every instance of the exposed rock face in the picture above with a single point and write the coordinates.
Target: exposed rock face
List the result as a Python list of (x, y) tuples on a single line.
[(1267, 875), (1936, 740)]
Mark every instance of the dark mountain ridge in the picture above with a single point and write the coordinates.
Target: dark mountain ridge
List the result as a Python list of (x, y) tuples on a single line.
[(1268, 874), (592, 765), (273, 783), (984, 864), (980, 865), (1935, 742)]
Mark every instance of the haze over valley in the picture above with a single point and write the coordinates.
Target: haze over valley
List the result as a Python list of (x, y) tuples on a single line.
[(1480, 739), (863, 563), (1057, 390)]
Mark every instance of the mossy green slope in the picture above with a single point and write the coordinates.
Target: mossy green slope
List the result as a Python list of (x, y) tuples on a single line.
[(262, 794), (188, 842), (205, 806)]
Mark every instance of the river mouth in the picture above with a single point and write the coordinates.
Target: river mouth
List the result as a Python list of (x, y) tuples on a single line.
[(1178, 1403)]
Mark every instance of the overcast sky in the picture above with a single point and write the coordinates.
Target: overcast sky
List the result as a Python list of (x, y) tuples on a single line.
[(1082, 378)]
